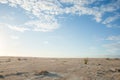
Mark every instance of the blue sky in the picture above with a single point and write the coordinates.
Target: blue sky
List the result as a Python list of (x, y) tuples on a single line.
[(60, 28)]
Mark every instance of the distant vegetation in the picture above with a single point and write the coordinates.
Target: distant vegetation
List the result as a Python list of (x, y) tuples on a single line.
[(86, 61)]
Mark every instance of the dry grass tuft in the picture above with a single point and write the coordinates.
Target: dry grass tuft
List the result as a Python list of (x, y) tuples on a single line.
[(86, 61)]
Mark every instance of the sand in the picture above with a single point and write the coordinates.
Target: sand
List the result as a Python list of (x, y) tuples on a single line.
[(32, 68)]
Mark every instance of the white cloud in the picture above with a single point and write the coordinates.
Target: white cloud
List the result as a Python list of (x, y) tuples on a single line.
[(113, 47), (21, 29), (80, 2), (47, 10), (7, 17), (15, 28), (113, 38), (43, 26), (3, 1), (113, 6), (111, 19)]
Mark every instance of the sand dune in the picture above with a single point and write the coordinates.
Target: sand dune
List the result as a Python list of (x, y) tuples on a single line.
[(24, 68)]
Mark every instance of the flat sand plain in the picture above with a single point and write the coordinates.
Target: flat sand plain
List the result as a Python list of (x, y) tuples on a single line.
[(33, 68)]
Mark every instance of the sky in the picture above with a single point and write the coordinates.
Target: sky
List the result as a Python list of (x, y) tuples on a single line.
[(60, 28)]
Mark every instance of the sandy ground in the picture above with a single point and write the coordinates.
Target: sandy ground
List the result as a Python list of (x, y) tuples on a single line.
[(23, 68)]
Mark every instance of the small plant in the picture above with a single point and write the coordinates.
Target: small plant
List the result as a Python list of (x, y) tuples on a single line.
[(86, 61)]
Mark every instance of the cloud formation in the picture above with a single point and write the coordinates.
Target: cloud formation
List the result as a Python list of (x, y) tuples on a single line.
[(114, 38), (14, 27), (47, 10), (113, 47)]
